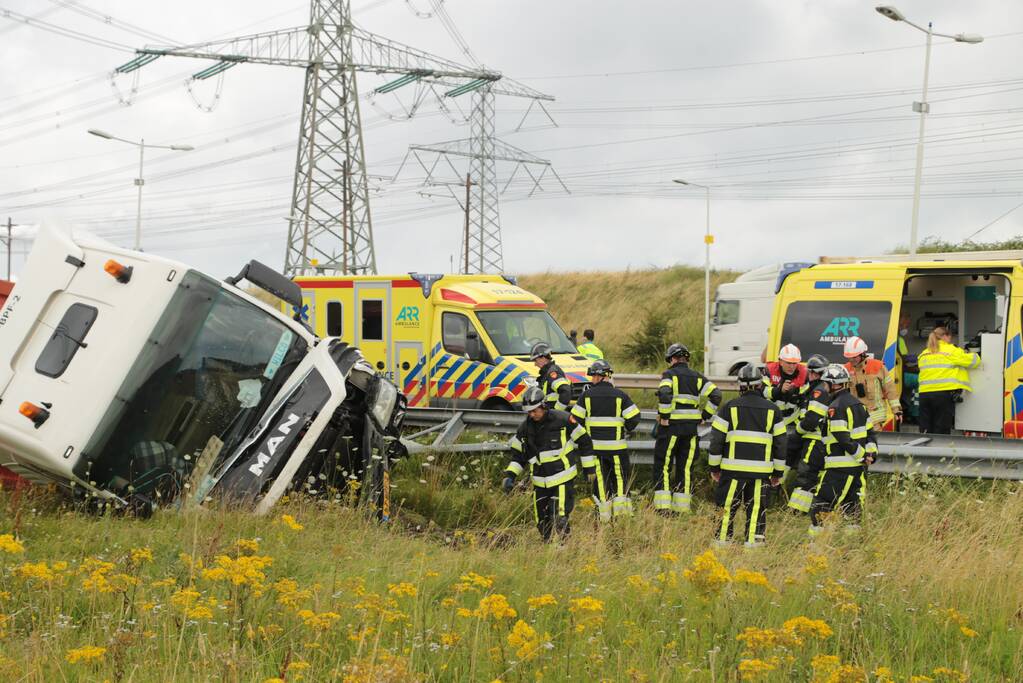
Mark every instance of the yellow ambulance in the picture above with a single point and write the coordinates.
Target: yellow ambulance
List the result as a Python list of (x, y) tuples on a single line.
[(818, 307), (449, 341)]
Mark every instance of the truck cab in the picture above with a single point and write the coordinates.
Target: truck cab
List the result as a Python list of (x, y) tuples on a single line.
[(135, 379), (449, 341)]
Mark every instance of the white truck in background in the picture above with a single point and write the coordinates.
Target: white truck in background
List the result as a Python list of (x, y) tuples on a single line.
[(741, 316), (137, 380)]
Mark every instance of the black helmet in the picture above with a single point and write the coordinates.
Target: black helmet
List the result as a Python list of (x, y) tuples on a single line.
[(600, 367), (676, 349), (836, 374), (748, 376), (816, 363), (540, 350), (532, 398)]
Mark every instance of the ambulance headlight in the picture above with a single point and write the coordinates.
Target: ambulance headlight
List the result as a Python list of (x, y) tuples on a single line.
[(381, 400)]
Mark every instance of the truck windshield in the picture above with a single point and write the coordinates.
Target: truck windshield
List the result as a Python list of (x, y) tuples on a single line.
[(514, 333), (209, 367)]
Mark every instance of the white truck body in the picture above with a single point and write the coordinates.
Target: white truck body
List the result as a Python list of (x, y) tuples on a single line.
[(139, 378), (740, 318)]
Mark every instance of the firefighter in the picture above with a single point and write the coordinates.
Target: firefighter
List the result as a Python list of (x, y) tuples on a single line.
[(785, 381), (684, 397), (551, 379), (851, 446), (806, 443), (873, 384), (588, 348), (545, 441), (746, 457), (607, 413)]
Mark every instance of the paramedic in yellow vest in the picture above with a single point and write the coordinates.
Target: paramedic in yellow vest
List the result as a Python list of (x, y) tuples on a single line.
[(588, 348), (872, 384), (943, 377)]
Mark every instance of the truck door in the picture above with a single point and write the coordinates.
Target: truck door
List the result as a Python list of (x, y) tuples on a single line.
[(412, 372), (373, 324)]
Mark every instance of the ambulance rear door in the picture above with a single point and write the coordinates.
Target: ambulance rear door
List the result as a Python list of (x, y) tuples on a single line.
[(373, 324)]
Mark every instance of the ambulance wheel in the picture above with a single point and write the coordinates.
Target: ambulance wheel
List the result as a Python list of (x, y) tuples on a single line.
[(497, 404)]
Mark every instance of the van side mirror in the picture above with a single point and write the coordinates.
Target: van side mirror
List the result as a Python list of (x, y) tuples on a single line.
[(474, 349), (269, 280)]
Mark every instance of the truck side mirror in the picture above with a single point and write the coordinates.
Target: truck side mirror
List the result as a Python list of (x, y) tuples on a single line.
[(268, 279)]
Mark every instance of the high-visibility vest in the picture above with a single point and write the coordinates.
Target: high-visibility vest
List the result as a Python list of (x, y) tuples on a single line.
[(590, 350), (947, 369)]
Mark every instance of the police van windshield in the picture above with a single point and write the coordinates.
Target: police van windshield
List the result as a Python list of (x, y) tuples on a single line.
[(209, 368), (514, 333)]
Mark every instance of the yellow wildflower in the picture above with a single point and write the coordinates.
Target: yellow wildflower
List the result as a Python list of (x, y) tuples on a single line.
[(883, 674), (291, 523), (164, 583), (247, 546), (298, 665), (669, 557), (803, 627), (495, 606), (403, 589), (638, 583), (943, 673), (816, 564), (920, 679), (590, 568), (525, 640), (240, 571), (448, 602), (9, 544), (88, 653), (836, 592), (430, 574), (752, 669), (38, 572), (289, 594), (586, 604), (753, 579), (463, 612), (274, 680), (538, 601), (473, 582), (140, 555), (318, 621), (707, 574), (450, 639), (968, 632), (761, 639)]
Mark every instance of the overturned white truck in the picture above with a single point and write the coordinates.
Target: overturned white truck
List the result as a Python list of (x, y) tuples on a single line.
[(134, 379)]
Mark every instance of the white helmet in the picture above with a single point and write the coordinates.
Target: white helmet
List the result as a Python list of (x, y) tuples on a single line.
[(790, 354), (854, 346)]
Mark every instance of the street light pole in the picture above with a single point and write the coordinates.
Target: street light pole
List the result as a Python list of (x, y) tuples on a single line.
[(708, 239), (922, 107), (140, 181)]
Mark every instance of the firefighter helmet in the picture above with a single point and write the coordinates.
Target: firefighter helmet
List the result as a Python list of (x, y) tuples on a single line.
[(836, 374), (540, 350), (599, 367), (816, 363), (790, 354), (854, 346), (748, 376), (532, 398), (676, 349)]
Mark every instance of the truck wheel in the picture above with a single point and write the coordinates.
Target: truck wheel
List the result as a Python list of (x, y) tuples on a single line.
[(735, 369)]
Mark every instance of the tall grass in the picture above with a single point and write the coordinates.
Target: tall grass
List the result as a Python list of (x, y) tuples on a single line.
[(929, 587)]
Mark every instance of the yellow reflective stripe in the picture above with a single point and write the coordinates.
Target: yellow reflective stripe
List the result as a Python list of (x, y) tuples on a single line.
[(723, 536), (754, 515), (609, 445), (514, 467), (515, 444), (559, 382), (754, 466), (604, 421), (555, 479), (578, 411), (719, 423), (630, 411), (748, 436)]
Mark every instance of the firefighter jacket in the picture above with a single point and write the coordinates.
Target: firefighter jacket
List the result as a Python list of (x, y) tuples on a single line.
[(556, 387), (590, 350), (881, 395), (787, 401), (813, 415), (946, 369), (747, 439), (850, 434), (607, 413), (545, 446), (684, 397)]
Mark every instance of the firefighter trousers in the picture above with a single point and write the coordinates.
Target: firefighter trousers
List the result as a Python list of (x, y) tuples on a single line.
[(611, 484), (808, 469), (674, 455), (731, 494), (551, 508), (840, 489)]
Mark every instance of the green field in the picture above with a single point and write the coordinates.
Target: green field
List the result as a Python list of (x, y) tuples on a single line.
[(459, 588)]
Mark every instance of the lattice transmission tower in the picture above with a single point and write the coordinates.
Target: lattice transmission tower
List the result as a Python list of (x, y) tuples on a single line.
[(330, 227)]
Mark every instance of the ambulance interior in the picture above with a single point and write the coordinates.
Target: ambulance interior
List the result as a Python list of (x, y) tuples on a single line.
[(974, 305)]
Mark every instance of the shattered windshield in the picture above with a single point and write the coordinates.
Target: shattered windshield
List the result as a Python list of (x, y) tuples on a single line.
[(209, 368), (515, 332)]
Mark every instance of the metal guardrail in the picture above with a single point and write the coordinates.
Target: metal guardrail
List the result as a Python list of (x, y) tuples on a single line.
[(902, 452), (626, 380)]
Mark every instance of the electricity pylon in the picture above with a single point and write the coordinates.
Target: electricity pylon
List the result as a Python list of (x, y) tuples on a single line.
[(330, 227)]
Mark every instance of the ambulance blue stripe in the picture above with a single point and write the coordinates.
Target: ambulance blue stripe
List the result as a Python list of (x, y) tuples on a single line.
[(1014, 351), (504, 373), (472, 366), (454, 367), (517, 381), (416, 370), (889, 357)]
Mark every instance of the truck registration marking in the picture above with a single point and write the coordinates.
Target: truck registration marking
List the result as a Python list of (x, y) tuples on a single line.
[(843, 284)]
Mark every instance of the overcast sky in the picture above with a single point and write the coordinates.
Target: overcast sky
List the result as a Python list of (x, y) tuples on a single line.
[(797, 114)]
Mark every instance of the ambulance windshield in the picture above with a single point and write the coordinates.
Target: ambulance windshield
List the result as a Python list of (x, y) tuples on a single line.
[(514, 333), (208, 368)]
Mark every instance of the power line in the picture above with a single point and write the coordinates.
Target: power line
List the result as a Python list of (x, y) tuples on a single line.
[(65, 32)]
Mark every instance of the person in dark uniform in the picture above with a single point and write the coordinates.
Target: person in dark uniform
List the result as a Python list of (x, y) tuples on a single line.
[(806, 447), (551, 379)]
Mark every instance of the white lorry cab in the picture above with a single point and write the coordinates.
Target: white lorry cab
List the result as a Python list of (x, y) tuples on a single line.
[(741, 316), (135, 379)]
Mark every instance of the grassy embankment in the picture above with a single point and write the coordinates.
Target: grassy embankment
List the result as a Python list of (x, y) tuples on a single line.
[(929, 588)]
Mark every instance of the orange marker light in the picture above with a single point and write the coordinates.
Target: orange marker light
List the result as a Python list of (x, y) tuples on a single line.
[(118, 271), (37, 414)]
